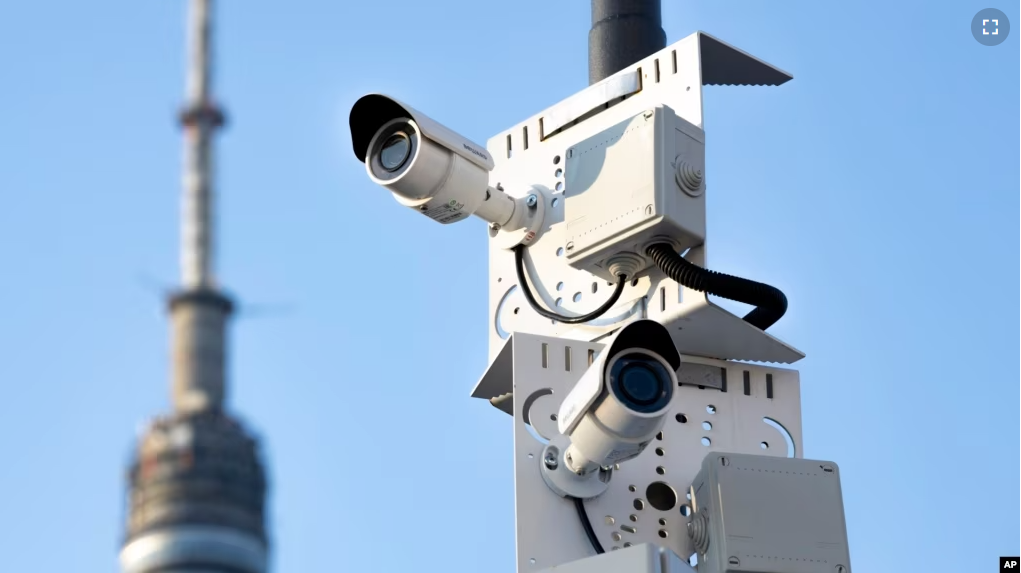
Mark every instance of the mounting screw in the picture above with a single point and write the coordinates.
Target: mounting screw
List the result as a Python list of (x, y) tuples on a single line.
[(531, 201), (724, 462), (423, 208), (733, 560), (550, 459), (570, 246), (494, 227), (840, 569)]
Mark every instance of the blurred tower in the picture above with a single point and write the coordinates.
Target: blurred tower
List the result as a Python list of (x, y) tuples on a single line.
[(197, 485)]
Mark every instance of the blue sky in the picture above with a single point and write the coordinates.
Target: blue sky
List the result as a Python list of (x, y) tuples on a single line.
[(877, 189)]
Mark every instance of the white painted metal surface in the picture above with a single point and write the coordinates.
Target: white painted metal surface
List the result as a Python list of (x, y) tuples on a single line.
[(548, 532), (646, 558)]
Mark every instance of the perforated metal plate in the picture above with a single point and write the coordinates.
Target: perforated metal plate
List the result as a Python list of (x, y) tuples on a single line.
[(548, 533)]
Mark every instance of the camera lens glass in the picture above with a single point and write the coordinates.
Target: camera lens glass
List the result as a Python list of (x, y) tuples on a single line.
[(641, 382), (395, 151)]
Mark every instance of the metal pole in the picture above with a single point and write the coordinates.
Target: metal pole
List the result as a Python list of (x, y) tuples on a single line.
[(623, 32)]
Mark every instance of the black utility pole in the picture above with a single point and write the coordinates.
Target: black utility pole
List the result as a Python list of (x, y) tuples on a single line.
[(623, 32)]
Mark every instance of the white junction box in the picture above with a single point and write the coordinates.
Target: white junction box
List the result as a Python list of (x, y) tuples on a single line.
[(636, 181)]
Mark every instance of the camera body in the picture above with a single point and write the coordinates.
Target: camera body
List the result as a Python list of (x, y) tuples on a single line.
[(425, 165), (619, 404)]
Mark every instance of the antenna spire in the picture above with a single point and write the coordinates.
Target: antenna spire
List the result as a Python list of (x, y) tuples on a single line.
[(201, 118), (199, 311)]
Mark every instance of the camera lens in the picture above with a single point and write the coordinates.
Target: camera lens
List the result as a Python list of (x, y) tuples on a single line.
[(641, 382), (395, 151)]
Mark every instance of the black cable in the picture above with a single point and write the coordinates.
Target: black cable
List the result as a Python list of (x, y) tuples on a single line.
[(770, 302), (519, 266), (579, 506)]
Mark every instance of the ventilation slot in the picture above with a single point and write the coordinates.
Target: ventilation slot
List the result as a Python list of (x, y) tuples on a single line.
[(510, 151), (747, 383), (656, 70), (769, 386), (524, 138), (673, 59), (545, 355)]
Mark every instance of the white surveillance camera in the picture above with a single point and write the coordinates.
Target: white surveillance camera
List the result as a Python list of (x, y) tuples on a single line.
[(620, 403), (425, 165)]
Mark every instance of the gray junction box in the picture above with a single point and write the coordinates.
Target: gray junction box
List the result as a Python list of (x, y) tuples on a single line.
[(763, 514)]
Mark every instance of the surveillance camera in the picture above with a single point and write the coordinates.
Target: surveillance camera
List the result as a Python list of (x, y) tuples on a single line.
[(425, 165), (621, 401)]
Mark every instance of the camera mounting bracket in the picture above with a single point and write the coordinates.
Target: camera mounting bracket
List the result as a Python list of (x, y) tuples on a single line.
[(743, 407), (564, 482), (526, 225)]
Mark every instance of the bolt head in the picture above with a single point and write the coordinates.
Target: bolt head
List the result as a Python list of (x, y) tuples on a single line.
[(532, 201), (550, 459)]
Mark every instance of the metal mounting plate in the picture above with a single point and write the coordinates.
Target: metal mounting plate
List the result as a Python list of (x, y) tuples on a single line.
[(548, 533), (673, 77)]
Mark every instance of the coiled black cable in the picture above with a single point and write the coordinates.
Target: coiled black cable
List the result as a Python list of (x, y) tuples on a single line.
[(519, 267), (579, 506), (770, 302)]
